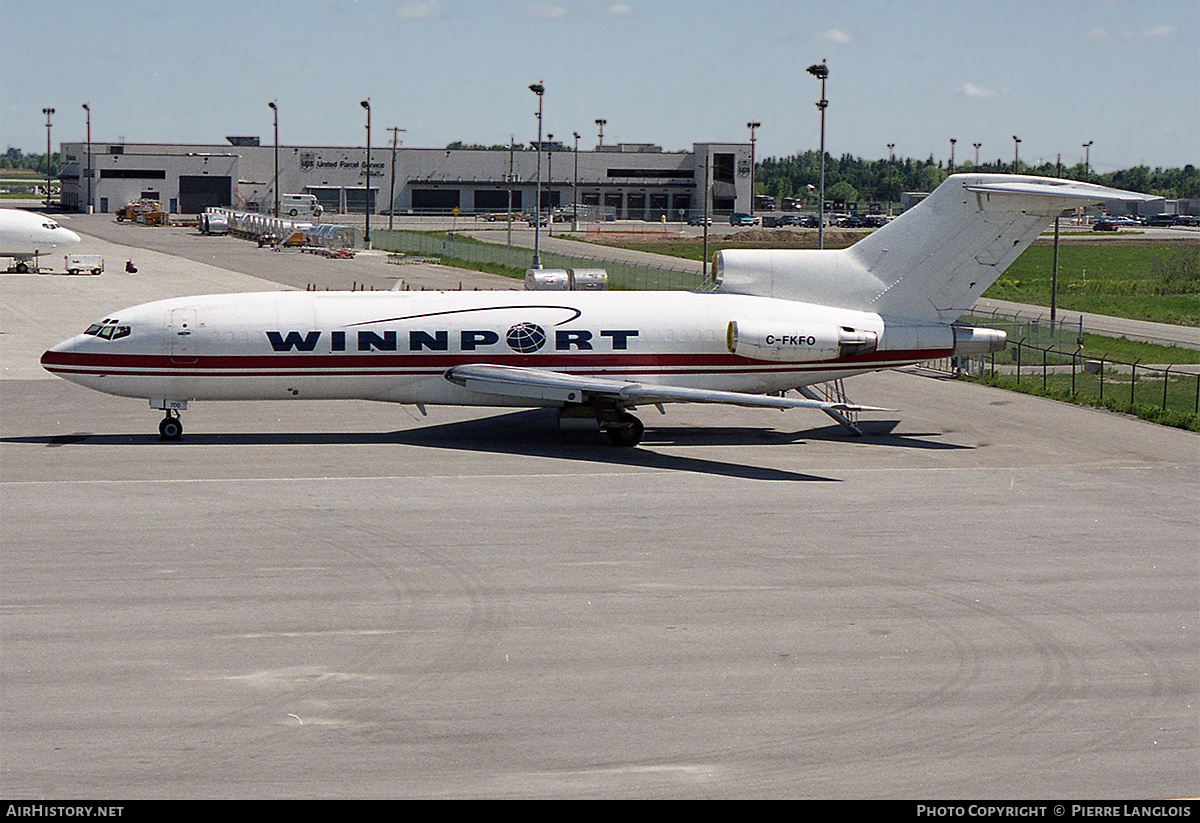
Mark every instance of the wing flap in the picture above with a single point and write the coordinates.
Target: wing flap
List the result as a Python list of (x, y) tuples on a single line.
[(540, 384)]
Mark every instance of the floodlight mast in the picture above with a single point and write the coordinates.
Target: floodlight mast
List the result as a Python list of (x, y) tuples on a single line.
[(539, 90), (366, 104), (275, 186), (821, 72), (88, 207), (48, 112), (752, 125)]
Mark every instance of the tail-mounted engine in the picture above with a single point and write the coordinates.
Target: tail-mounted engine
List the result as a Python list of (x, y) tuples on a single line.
[(796, 342)]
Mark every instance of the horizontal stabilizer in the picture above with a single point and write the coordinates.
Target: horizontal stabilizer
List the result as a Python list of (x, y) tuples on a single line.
[(1052, 187)]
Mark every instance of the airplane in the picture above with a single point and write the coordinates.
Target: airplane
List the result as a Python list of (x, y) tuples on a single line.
[(777, 320), (24, 235)]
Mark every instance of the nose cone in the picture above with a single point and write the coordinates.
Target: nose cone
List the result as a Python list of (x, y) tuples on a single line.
[(68, 238), (61, 358)]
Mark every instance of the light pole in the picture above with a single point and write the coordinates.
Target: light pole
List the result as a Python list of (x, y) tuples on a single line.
[(575, 188), (88, 206), (47, 112), (366, 104), (952, 142), (821, 72), (1016, 154), (600, 122), (392, 190), (539, 90), (891, 152), (704, 222), (275, 109), (977, 145), (752, 125), (550, 184), (512, 148), (1087, 159)]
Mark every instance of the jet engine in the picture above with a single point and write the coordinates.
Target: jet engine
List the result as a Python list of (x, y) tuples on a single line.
[(785, 342)]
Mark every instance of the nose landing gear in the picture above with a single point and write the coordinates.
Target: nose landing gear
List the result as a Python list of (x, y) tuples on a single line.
[(171, 427)]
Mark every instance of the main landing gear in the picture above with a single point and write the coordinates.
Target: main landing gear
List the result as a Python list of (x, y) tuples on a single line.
[(622, 428), (171, 427), (625, 430)]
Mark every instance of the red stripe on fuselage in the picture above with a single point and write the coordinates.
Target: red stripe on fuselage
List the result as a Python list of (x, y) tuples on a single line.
[(281, 365)]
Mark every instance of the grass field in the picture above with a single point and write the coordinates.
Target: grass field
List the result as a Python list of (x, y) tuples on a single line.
[(1136, 278)]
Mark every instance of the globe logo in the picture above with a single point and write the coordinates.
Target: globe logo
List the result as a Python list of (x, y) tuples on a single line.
[(526, 338)]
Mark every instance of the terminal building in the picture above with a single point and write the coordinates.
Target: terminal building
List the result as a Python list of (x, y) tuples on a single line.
[(624, 182)]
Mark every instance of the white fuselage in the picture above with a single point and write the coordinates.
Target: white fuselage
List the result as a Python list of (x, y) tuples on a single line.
[(25, 234), (397, 346)]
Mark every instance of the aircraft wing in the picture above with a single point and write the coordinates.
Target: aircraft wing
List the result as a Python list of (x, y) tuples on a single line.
[(540, 384)]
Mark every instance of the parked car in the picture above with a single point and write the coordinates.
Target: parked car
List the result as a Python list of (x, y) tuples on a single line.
[(787, 220), (699, 220), (1105, 225), (1162, 220), (1126, 221), (740, 218)]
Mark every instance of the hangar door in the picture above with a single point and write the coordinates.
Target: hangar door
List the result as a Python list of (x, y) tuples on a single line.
[(439, 201), (198, 193)]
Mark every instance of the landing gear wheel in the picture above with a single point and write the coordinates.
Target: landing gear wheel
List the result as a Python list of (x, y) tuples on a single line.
[(626, 431), (171, 428)]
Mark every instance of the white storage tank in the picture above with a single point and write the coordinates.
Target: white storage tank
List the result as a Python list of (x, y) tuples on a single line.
[(547, 280), (588, 279)]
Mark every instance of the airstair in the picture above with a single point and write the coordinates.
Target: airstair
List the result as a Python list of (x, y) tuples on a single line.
[(833, 391)]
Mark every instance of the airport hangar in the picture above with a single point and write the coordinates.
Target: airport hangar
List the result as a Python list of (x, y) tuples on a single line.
[(624, 181)]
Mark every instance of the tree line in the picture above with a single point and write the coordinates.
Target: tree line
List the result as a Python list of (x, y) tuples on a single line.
[(16, 159), (853, 179)]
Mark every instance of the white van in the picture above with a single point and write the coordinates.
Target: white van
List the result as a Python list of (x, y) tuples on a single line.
[(296, 205)]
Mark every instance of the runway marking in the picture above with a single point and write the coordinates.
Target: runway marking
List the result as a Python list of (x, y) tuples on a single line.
[(641, 471), (341, 633), (284, 479)]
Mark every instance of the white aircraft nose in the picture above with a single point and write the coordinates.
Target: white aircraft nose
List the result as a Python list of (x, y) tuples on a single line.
[(65, 358), (67, 237)]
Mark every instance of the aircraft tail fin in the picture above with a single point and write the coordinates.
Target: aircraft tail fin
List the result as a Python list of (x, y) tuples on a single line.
[(939, 257), (935, 260)]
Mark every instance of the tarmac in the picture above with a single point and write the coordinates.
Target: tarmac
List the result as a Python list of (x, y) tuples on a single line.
[(989, 596)]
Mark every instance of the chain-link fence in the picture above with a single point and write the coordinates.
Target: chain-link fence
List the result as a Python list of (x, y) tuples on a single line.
[(1056, 364), (1033, 330), (629, 276)]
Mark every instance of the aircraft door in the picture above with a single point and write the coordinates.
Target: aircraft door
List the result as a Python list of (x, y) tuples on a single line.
[(181, 332)]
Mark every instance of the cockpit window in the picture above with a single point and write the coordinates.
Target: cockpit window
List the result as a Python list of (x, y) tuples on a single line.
[(51, 225), (108, 330)]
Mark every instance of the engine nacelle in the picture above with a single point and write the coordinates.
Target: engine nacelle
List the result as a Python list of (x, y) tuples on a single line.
[(785, 342), (974, 340)]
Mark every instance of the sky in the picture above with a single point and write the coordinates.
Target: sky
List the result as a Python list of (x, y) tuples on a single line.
[(1122, 74)]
